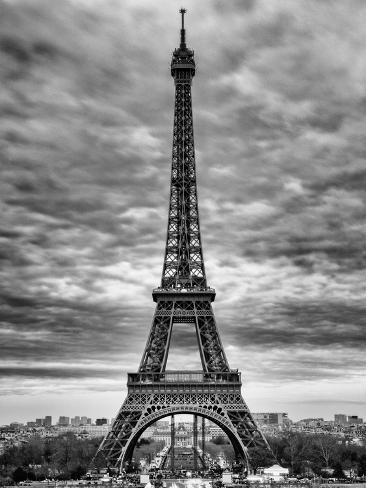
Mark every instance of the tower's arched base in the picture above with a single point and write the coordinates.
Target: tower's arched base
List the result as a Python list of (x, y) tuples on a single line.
[(152, 396)]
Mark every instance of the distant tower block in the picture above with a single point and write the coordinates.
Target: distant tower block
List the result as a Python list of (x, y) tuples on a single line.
[(183, 297)]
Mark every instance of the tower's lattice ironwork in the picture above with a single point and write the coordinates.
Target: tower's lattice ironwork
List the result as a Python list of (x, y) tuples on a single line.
[(153, 392)]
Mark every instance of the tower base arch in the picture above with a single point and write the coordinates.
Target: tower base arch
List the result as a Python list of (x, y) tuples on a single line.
[(155, 396)]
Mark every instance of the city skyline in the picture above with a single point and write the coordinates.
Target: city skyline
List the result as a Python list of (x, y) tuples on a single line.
[(86, 144), (71, 420)]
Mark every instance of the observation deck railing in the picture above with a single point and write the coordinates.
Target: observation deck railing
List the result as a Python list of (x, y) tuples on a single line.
[(170, 377), (193, 289), (184, 293)]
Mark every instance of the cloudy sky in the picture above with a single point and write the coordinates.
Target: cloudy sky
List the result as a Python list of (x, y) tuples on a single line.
[(86, 102)]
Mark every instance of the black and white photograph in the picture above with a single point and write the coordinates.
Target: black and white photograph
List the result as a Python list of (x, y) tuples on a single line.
[(182, 243)]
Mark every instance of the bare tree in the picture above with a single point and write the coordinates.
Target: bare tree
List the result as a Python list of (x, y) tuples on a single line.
[(296, 449), (326, 446)]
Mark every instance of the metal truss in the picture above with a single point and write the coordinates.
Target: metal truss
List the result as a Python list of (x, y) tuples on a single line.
[(154, 396), (214, 391), (192, 307), (183, 262)]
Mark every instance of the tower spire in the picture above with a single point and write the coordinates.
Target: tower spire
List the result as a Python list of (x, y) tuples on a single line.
[(183, 31)]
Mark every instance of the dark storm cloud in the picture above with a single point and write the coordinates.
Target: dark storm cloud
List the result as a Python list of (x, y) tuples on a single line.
[(279, 114), (316, 324), (46, 328), (67, 373)]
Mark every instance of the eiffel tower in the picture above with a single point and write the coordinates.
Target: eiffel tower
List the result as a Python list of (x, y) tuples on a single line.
[(214, 392)]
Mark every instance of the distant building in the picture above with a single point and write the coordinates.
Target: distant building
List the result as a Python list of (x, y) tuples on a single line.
[(75, 421), (162, 424), (354, 419), (39, 422), (215, 431), (340, 419), (183, 436), (48, 421), (161, 431), (271, 418), (162, 435), (63, 421), (276, 473), (311, 423), (89, 431), (148, 433), (102, 421)]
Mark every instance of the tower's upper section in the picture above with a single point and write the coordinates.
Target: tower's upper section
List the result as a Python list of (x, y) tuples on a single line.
[(183, 65), (183, 268)]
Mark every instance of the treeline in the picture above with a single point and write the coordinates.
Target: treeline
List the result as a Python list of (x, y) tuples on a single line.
[(63, 457), (305, 455), (66, 457), (319, 454)]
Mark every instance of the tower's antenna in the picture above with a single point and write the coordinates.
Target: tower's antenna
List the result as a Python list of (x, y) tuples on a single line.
[(183, 31)]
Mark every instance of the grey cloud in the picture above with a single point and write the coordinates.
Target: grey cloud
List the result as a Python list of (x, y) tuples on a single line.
[(301, 324), (303, 368), (67, 373), (348, 180)]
